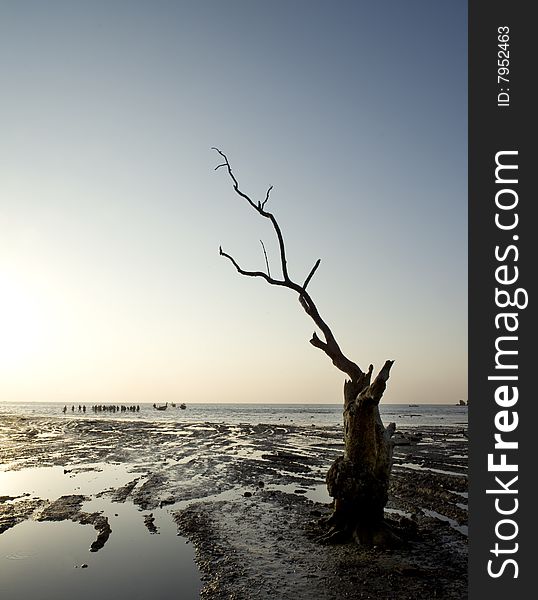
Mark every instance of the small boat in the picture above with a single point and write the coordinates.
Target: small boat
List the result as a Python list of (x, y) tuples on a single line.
[(162, 407), (183, 406), (173, 404)]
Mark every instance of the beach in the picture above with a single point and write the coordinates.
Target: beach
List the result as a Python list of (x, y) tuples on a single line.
[(237, 507)]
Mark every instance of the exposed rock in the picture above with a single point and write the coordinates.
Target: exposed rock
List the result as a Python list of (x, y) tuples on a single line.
[(146, 496), (68, 508), (290, 563), (65, 507), (149, 522), (267, 547), (121, 494), (13, 513)]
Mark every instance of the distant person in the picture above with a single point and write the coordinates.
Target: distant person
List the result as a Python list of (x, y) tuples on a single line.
[(64, 410)]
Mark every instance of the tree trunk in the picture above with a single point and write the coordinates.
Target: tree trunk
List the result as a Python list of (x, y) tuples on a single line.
[(359, 480)]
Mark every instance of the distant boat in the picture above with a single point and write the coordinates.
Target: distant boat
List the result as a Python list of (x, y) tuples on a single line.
[(162, 407), (183, 406), (173, 404), (413, 405)]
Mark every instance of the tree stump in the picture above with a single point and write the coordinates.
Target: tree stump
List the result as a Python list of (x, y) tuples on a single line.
[(359, 480)]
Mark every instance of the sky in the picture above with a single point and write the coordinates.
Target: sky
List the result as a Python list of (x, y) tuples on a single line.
[(111, 212)]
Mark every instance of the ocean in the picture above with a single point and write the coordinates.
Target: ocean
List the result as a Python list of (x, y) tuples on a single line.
[(403, 415), (138, 470)]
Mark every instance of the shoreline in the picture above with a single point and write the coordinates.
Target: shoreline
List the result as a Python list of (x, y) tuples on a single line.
[(248, 497), (321, 415)]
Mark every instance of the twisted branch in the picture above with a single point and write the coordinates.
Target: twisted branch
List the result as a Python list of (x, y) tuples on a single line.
[(330, 345), (259, 208)]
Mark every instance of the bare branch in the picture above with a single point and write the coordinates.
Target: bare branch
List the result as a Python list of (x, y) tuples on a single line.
[(266, 197), (315, 341), (266, 261), (330, 345), (251, 273), (311, 274), (260, 210), (374, 391), (234, 180)]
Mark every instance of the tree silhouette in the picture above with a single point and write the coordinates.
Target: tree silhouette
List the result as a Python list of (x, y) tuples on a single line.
[(358, 481)]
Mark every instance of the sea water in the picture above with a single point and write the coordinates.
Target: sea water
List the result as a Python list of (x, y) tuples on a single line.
[(403, 415), (44, 560), (52, 560)]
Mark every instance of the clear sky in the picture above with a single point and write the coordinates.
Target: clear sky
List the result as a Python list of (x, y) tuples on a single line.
[(111, 213)]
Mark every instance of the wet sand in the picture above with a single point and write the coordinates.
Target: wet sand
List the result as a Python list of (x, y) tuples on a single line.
[(249, 498)]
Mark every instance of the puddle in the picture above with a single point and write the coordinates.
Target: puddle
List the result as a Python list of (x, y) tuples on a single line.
[(454, 524), (398, 512), (316, 493), (43, 560), (37, 561), (415, 467), (133, 564), (231, 494), (50, 483)]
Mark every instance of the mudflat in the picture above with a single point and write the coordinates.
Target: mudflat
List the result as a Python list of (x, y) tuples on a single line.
[(250, 498)]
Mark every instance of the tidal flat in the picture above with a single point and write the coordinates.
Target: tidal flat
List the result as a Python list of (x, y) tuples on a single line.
[(136, 509)]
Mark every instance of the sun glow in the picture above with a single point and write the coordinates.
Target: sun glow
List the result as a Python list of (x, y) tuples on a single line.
[(21, 322)]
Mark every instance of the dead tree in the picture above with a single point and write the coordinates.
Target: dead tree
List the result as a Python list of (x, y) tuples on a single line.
[(358, 481)]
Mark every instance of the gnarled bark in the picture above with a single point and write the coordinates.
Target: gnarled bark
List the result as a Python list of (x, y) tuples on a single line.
[(358, 481)]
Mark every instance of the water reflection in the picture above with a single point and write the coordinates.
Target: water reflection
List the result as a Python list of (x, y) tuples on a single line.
[(52, 482), (43, 560)]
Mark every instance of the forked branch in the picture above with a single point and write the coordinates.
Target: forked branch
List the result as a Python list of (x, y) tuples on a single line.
[(330, 345), (260, 209)]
